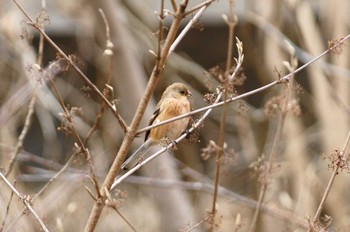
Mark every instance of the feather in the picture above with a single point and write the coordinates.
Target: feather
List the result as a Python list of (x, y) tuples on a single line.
[(136, 157)]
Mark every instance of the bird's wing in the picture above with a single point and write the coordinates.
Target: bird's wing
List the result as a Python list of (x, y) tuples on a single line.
[(154, 116), (135, 158)]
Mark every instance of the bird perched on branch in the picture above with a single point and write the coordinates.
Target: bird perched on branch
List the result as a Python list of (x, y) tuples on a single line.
[(175, 101)]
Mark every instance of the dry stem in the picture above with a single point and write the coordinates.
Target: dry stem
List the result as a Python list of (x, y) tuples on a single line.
[(276, 140), (330, 183), (231, 24), (25, 201), (76, 68)]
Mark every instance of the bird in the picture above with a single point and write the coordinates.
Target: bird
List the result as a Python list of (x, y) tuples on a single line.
[(175, 101)]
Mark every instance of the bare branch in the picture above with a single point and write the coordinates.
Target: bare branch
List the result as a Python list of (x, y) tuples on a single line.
[(25, 201)]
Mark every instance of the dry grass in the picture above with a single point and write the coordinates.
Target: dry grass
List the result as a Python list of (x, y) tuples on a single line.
[(74, 102)]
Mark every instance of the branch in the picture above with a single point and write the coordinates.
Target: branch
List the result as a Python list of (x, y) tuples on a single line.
[(25, 201), (291, 67), (330, 183), (221, 138), (76, 68), (23, 134)]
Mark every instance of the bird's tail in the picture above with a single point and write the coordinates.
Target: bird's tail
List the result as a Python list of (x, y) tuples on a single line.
[(136, 157)]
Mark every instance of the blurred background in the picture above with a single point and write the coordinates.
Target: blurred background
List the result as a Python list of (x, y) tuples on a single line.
[(175, 191)]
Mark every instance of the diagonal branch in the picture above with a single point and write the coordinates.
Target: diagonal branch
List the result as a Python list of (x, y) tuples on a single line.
[(76, 68), (25, 201)]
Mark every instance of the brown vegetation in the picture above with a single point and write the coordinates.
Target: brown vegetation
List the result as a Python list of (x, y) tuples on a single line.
[(267, 148)]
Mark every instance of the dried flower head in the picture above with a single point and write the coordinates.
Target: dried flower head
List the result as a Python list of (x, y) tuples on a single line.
[(214, 221), (338, 159), (320, 225), (198, 25), (67, 119), (264, 170), (24, 30), (194, 136), (243, 107), (86, 90), (274, 106), (42, 19), (210, 98), (220, 75), (118, 199), (228, 156), (335, 46)]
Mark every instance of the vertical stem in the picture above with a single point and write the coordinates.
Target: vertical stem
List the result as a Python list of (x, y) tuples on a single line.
[(221, 139), (276, 141), (330, 183)]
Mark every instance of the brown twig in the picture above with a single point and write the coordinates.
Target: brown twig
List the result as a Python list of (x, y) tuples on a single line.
[(286, 215), (58, 174), (23, 134), (113, 205), (207, 218), (7, 209), (204, 4), (330, 183), (76, 68), (109, 53), (288, 95), (206, 185), (220, 142), (27, 121), (25, 201)]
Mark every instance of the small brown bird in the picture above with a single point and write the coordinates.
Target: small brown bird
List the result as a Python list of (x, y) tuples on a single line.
[(174, 102)]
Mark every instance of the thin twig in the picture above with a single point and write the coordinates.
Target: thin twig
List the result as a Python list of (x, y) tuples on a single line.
[(27, 122), (221, 139), (160, 30), (25, 201), (274, 33), (113, 205), (23, 134), (277, 139), (187, 28), (199, 223), (57, 175), (7, 209), (208, 183), (201, 5), (109, 53), (203, 183), (76, 68), (330, 182), (42, 190)]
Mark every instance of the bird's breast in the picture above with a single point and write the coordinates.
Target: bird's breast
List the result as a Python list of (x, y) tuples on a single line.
[(170, 109)]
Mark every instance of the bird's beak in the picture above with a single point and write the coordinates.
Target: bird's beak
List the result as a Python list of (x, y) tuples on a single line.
[(189, 94)]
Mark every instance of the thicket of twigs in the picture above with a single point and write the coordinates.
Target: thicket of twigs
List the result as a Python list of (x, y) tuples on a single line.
[(268, 148)]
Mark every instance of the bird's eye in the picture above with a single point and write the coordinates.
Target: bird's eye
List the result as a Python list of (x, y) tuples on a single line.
[(182, 91)]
